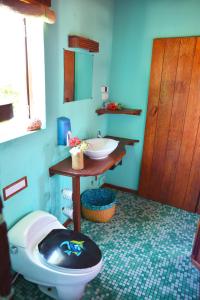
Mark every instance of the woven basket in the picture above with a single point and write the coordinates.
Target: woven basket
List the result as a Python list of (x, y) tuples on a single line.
[(98, 205), (98, 215)]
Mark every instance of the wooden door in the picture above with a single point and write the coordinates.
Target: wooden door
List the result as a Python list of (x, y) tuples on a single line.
[(170, 171), (196, 248)]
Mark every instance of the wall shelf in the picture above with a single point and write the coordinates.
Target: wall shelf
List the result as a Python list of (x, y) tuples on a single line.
[(125, 141), (125, 111), (91, 167)]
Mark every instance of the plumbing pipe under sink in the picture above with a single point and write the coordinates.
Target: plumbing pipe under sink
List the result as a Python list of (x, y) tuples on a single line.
[(68, 212)]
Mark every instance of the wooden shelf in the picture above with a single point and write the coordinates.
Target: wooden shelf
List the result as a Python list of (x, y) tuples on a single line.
[(76, 41), (125, 141), (125, 111), (91, 167)]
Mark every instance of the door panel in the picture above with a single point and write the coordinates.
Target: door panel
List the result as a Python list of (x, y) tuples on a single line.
[(170, 156), (154, 94), (168, 78), (189, 134), (192, 197), (182, 86)]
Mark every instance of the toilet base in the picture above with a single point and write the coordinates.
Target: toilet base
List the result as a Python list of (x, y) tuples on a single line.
[(50, 291), (63, 292)]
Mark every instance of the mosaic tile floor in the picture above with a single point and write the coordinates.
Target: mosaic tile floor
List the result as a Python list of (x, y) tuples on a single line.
[(146, 249)]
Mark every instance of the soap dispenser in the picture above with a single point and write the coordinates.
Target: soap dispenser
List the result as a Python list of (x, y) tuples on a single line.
[(63, 131)]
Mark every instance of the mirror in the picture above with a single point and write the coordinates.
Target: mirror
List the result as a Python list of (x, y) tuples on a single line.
[(78, 75)]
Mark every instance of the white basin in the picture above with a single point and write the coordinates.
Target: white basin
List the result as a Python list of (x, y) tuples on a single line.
[(100, 148)]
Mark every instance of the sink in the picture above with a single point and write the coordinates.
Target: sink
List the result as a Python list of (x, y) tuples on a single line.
[(100, 148)]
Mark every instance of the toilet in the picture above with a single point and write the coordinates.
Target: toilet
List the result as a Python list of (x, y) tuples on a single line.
[(60, 261)]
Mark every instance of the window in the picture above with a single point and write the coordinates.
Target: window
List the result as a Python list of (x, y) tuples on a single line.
[(21, 72)]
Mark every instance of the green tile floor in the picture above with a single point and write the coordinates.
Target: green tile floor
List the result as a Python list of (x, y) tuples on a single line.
[(146, 249)]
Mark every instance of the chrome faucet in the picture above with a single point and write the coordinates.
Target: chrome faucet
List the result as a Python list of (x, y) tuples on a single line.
[(99, 134), (68, 138)]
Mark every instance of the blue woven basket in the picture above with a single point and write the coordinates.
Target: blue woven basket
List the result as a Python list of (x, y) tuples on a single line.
[(98, 204)]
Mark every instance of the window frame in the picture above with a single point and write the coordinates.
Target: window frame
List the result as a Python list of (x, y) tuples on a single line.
[(35, 80)]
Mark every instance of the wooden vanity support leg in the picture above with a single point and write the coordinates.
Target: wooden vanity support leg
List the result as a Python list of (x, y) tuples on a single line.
[(76, 203)]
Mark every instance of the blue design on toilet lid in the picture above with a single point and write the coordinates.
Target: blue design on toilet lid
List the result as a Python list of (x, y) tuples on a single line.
[(68, 249), (72, 247)]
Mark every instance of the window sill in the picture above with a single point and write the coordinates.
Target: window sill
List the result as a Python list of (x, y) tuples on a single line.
[(16, 135), (7, 133)]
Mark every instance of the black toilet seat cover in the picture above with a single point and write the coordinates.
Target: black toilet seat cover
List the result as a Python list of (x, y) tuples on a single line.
[(68, 249)]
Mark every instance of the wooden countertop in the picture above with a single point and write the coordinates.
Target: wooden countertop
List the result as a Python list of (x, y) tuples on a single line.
[(91, 167)]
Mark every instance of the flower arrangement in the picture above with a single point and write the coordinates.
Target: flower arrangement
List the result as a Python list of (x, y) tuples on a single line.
[(77, 145), (113, 106)]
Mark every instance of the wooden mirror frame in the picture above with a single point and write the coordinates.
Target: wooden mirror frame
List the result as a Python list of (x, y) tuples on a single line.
[(74, 41), (69, 73)]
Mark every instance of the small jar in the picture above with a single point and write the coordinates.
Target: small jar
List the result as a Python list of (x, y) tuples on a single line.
[(77, 161)]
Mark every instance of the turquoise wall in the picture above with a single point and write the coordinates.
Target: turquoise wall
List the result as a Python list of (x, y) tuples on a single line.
[(32, 155), (136, 24)]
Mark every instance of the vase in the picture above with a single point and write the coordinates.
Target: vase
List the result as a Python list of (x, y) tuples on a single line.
[(77, 161)]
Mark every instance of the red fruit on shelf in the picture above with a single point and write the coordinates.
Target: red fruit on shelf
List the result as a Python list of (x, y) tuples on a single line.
[(112, 106)]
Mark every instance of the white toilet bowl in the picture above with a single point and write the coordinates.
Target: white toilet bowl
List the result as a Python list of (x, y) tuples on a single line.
[(56, 271)]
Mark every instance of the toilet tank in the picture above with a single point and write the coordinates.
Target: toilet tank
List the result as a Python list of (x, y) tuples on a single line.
[(32, 228)]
